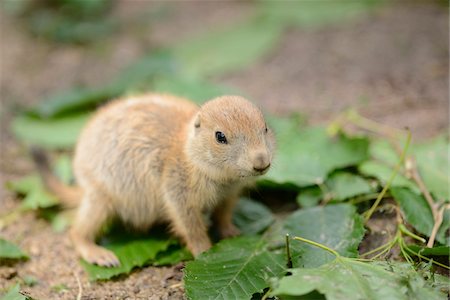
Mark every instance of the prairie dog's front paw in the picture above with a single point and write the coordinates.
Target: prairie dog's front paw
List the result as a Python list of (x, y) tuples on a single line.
[(230, 230), (100, 256)]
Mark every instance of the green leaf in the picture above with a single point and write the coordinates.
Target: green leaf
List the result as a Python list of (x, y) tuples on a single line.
[(10, 251), (232, 269), (382, 163), (35, 194), (433, 163), (193, 89), (228, 49), (343, 185), (309, 196), (383, 172), (305, 157), (337, 226), (77, 99), (52, 133), (141, 74), (14, 294), (419, 215), (132, 251), (435, 251), (252, 217), (173, 255), (314, 13), (345, 278), (63, 169)]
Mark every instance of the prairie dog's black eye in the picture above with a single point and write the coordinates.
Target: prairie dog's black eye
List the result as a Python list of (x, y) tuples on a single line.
[(221, 138), (266, 130)]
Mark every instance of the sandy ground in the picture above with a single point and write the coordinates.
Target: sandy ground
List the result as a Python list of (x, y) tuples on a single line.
[(392, 66)]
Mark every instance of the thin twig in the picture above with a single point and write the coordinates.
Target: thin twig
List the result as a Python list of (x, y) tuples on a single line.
[(80, 287), (437, 224), (411, 168)]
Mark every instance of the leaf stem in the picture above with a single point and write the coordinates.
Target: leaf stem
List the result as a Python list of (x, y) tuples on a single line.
[(409, 233), (391, 178), (317, 245)]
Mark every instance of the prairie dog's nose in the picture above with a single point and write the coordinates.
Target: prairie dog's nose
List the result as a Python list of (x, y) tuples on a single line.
[(261, 162)]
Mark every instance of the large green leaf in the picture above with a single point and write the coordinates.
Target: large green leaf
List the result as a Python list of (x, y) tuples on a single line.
[(10, 251), (35, 194), (225, 50), (305, 157), (345, 278), (232, 269), (252, 217), (433, 163), (132, 251), (52, 133), (337, 226), (418, 213)]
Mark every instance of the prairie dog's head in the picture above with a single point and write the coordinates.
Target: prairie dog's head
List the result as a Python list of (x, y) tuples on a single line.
[(229, 139)]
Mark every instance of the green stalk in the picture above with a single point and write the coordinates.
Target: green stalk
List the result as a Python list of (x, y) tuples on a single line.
[(317, 245), (409, 233), (391, 178)]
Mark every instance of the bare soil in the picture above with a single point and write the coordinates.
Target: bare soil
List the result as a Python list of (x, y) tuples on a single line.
[(391, 65)]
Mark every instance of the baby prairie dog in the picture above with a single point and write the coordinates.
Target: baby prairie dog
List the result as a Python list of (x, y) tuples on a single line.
[(159, 158)]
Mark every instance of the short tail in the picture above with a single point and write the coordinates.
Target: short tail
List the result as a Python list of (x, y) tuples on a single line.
[(69, 196)]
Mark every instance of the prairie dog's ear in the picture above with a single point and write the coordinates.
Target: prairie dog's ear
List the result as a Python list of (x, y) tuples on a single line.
[(197, 121)]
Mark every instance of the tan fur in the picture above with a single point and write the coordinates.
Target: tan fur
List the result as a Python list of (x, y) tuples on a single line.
[(155, 158)]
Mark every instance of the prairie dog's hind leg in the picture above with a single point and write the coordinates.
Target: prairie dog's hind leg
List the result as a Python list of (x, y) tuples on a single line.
[(94, 210)]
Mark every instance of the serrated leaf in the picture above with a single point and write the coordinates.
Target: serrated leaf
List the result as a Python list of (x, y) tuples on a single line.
[(252, 217), (232, 269), (131, 250), (228, 49), (433, 163), (344, 185), (305, 157), (337, 226), (35, 194), (419, 215), (10, 251), (14, 294), (52, 133), (345, 278)]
